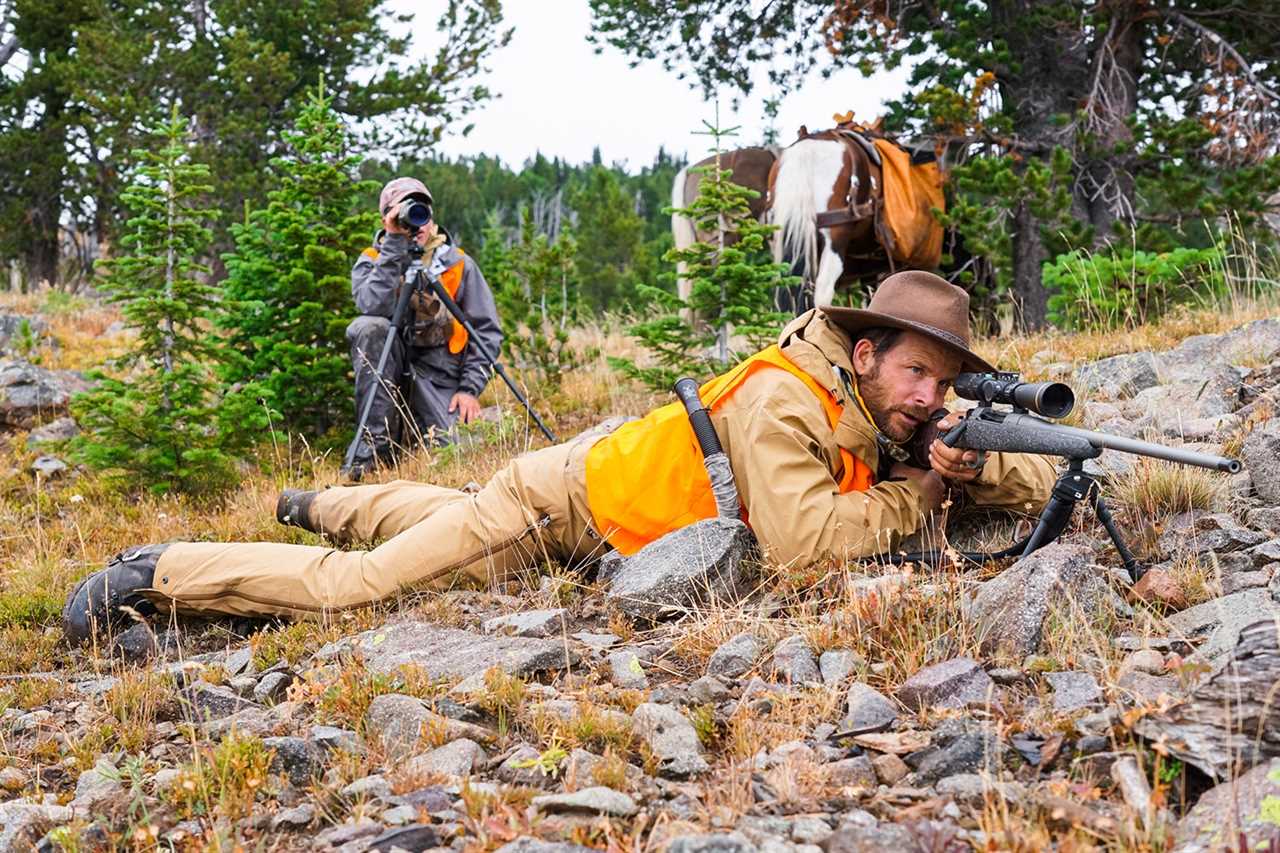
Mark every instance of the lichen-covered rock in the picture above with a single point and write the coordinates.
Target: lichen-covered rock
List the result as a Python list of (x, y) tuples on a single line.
[(1248, 806), (697, 564)]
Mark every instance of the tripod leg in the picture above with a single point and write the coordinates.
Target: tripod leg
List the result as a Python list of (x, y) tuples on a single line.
[(1126, 556)]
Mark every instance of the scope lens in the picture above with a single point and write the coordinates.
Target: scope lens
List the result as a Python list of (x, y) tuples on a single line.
[(1051, 399), (416, 214)]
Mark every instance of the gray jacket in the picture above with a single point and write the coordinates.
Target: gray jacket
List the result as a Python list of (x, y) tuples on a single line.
[(375, 281)]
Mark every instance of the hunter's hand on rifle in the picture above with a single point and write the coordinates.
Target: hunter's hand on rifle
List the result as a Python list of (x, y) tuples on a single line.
[(952, 463)]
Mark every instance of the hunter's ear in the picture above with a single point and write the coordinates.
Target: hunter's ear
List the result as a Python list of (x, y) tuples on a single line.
[(864, 356)]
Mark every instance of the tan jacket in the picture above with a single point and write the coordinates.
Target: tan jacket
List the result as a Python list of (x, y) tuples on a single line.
[(786, 461)]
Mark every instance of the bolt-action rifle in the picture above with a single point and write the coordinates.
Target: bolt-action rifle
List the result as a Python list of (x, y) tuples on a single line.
[(1026, 428)]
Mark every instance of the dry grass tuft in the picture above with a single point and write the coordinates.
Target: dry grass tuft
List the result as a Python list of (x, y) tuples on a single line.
[(1154, 489)]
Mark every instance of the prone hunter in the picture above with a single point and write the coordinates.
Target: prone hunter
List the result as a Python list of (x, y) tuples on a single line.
[(814, 429)]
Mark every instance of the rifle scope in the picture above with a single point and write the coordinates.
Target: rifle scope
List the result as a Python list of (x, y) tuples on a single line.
[(1051, 399), (413, 214)]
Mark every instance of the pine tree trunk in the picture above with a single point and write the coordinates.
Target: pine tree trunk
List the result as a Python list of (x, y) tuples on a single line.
[(1044, 85), (170, 261), (1106, 192)]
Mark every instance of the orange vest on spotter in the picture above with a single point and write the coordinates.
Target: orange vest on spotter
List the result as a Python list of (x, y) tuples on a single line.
[(452, 279), (647, 479)]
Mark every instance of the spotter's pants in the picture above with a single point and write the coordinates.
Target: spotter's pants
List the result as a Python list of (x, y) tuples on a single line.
[(532, 510)]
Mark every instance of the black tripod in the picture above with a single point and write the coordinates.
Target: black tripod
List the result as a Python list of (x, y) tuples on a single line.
[(418, 278), (1073, 486)]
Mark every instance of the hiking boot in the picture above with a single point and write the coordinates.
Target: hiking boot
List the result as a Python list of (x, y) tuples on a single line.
[(95, 605), (294, 509)]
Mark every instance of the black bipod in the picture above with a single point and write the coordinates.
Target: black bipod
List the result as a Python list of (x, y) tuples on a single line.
[(1074, 485)]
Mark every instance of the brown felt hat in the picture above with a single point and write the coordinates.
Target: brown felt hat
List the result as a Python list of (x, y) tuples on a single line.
[(398, 190), (916, 301)]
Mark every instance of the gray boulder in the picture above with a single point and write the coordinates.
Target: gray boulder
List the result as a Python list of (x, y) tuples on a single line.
[(1221, 620), (838, 664), (1009, 610), (57, 430), (671, 738), (699, 563), (626, 670), (528, 844), (1261, 457), (1248, 806), (30, 394), (400, 722)]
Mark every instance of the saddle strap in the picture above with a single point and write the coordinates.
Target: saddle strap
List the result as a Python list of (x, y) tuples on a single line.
[(846, 215)]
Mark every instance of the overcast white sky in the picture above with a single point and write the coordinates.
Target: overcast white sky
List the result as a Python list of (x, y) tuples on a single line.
[(559, 97)]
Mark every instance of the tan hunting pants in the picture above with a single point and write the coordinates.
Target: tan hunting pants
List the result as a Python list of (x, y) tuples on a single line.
[(532, 510)]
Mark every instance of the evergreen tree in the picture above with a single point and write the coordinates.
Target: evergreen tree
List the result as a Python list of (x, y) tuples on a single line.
[(610, 235), (732, 286), (159, 421), (289, 279)]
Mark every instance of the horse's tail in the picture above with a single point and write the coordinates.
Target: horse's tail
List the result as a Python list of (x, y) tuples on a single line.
[(807, 171), (682, 230)]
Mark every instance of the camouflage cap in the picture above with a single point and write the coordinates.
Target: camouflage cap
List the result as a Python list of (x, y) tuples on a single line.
[(398, 190)]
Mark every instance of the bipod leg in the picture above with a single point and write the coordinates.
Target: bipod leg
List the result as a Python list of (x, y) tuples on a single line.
[(1072, 487), (1101, 510)]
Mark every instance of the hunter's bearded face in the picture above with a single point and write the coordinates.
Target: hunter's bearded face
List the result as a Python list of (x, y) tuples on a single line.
[(904, 384)]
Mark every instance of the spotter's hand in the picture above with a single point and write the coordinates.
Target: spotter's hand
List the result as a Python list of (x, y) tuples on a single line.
[(467, 407), (952, 463)]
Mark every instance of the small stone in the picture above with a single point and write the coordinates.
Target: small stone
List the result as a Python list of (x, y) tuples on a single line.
[(243, 685), (736, 656), (1073, 690), (671, 737), (974, 789), (164, 779), (521, 768), (271, 688), (58, 430), (530, 623), (730, 842), (301, 760), (596, 800), (12, 779), (867, 709), (1146, 660), (97, 786), (890, 769), (951, 684), (856, 772), (838, 664), (626, 670), (599, 642), (708, 690), (527, 844), (966, 752), (373, 787), (793, 661), (212, 702), (344, 833), (298, 817), (399, 815), (458, 759), (49, 467), (400, 722)]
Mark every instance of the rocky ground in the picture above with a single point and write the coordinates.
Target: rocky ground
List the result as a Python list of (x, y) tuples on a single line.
[(693, 700)]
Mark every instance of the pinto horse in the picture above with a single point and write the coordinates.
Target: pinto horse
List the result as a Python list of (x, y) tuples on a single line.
[(824, 195), (748, 167)]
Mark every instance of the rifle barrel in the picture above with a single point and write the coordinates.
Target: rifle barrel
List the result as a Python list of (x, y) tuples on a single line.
[(1180, 455)]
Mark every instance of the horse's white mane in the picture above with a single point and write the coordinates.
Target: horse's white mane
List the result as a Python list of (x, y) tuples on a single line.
[(807, 172)]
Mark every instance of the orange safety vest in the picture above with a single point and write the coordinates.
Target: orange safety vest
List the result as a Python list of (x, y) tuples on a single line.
[(647, 479), (452, 280)]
